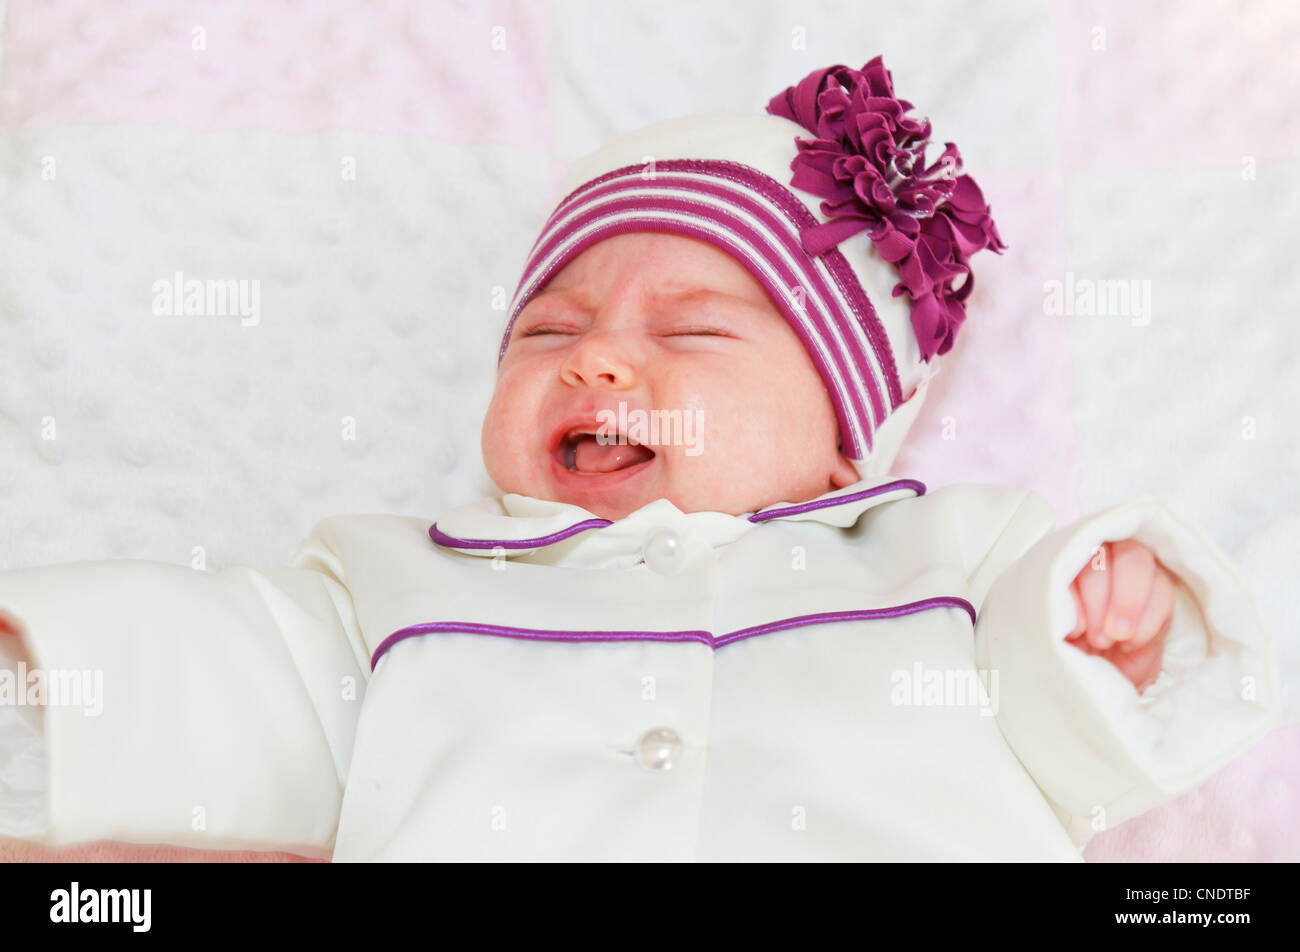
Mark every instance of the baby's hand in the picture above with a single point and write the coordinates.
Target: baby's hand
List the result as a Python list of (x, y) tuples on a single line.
[(1124, 599)]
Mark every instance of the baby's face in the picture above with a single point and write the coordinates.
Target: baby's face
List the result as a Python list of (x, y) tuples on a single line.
[(722, 408)]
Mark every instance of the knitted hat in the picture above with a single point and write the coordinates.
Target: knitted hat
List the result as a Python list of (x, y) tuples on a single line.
[(858, 242)]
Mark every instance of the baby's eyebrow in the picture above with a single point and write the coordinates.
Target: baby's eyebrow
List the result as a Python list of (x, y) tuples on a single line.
[(572, 298), (698, 296)]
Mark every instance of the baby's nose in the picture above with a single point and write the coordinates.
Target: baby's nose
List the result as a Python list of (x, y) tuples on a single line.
[(599, 362)]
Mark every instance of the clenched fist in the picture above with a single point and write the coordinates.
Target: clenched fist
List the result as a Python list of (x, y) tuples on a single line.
[(1124, 599)]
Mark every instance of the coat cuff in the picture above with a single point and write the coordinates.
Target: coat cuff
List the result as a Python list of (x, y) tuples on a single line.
[(215, 711), (1094, 746)]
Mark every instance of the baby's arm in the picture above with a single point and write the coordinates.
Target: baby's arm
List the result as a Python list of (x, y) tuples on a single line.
[(1099, 749), (217, 710)]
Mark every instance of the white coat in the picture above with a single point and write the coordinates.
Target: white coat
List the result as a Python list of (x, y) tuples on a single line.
[(879, 674)]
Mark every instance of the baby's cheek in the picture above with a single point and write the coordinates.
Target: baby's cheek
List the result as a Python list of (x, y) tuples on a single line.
[(707, 412), (505, 426)]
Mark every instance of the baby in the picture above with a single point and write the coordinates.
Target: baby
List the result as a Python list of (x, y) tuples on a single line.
[(700, 622), (655, 321)]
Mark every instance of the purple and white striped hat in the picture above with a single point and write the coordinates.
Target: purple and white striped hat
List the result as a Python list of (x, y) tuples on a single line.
[(860, 248)]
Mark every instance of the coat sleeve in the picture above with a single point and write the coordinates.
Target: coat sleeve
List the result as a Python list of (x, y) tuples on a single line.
[(167, 705), (1098, 750)]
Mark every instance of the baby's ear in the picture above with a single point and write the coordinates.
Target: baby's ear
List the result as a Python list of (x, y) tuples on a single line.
[(846, 474)]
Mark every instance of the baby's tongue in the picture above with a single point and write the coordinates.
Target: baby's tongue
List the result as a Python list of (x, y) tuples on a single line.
[(591, 457)]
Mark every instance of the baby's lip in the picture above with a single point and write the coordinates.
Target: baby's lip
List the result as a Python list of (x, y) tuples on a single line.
[(569, 434), (584, 423)]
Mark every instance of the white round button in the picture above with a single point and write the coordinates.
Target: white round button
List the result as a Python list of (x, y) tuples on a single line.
[(664, 553), (659, 749)]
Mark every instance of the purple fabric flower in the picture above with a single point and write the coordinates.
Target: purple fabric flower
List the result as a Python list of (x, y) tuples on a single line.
[(868, 162)]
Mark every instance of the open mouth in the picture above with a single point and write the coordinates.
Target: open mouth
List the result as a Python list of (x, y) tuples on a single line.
[(579, 451)]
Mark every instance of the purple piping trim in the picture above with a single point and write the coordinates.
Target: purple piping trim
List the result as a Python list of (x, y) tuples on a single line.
[(788, 202), (915, 485), (451, 542), (700, 636), (856, 614)]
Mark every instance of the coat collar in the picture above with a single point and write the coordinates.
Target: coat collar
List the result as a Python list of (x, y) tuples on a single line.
[(539, 530)]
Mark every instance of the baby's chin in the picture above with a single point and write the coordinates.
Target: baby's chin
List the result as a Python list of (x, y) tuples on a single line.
[(607, 499)]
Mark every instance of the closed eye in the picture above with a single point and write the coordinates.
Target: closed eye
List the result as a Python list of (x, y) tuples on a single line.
[(698, 331), (547, 329)]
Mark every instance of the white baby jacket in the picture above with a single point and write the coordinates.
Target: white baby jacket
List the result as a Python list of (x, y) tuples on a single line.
[(878, 674)]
